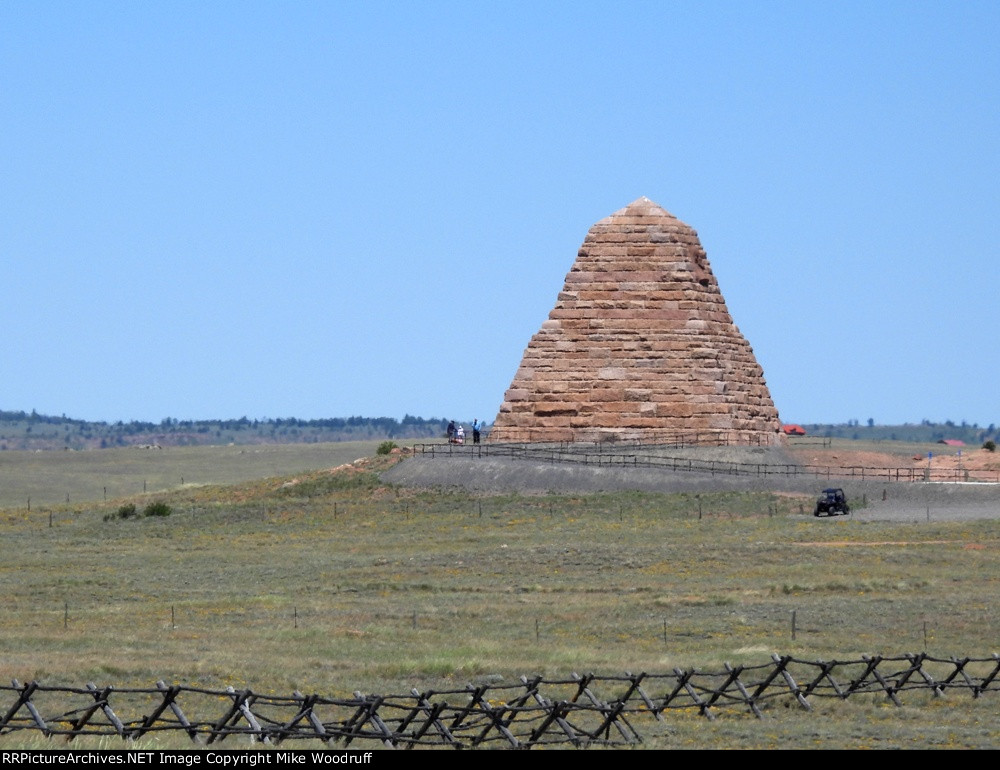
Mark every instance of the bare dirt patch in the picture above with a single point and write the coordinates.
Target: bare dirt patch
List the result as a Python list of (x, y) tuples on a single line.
[(947, 463)]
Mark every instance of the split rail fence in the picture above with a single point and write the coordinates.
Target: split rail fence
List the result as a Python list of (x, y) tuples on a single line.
[(651, 456), (581, 710)]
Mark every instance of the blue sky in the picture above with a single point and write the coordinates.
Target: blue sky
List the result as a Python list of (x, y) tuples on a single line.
[(320, 209)]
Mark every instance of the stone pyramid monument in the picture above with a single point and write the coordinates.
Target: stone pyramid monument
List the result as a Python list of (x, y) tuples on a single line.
[(640, 346)]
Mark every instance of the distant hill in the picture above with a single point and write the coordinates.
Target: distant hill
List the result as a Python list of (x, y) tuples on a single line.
[(20, 430), (925, 431)]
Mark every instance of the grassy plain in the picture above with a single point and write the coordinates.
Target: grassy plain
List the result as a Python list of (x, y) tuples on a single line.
[(332, 582), (52, 477)]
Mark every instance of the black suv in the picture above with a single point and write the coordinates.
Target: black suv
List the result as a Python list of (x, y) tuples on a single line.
[(831, 503)]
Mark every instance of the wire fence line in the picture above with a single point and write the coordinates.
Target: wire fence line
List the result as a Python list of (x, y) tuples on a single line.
[(638, 455), (580, 710)]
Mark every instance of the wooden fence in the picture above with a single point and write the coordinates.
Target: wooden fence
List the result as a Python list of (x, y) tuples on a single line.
[(652, 456), (580, 710)]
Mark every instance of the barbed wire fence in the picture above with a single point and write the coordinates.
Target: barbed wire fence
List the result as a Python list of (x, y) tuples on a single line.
[(580, 710)]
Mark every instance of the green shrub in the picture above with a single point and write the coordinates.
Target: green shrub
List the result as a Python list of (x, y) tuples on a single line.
[(126, 511), (990, 446), (385, 447), (157, 508)]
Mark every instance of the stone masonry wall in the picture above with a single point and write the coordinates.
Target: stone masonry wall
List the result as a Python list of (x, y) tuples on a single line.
[(640, 345)]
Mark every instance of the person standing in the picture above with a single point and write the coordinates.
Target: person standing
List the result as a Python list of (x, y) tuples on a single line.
[(476, 427)]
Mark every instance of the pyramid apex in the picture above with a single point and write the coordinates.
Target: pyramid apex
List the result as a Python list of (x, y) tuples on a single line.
[(642, 207)]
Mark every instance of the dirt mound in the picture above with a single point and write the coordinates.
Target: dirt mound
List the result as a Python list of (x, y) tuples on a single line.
[(950, 465), (848, 458), (870, 500)]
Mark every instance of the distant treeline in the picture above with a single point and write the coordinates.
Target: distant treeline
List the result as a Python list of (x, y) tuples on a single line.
[(21, 430), (925, 431)]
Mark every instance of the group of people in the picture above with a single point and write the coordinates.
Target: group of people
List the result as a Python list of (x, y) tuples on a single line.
[(456, 433)]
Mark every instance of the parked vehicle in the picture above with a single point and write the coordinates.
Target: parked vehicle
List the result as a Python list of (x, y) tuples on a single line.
[(831, 503)]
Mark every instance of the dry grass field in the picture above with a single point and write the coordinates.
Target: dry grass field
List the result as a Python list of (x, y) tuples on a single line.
[(330, 581), (54, 477)]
